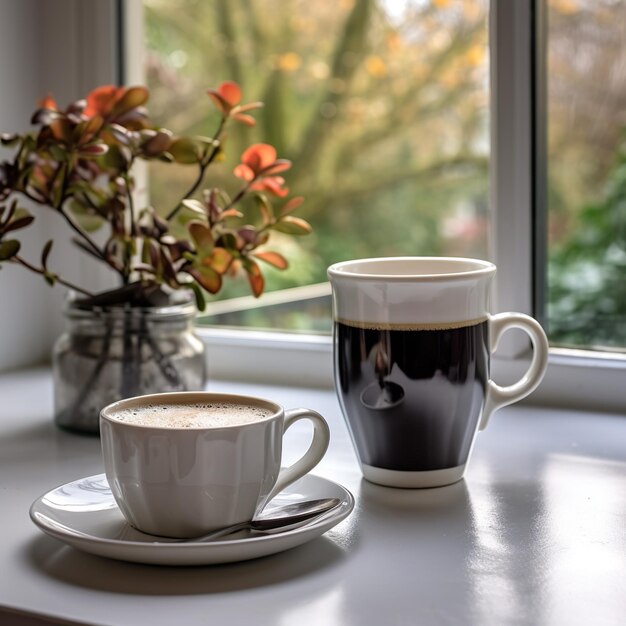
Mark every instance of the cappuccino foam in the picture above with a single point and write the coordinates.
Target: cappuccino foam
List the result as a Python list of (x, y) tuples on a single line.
[(200, 415)]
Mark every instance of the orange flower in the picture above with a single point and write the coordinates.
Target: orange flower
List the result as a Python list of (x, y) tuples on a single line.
[(273, 184), (115, 103), (227, 98), (101, 100), (48, 103), (259, 165)]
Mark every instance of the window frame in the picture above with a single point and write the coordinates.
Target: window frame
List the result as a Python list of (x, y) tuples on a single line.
[(575, 378), (583, 379)]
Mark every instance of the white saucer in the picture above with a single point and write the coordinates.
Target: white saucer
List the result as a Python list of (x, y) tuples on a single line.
[(84, 514)]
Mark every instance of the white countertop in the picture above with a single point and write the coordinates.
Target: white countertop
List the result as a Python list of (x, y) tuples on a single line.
[(535, 534)]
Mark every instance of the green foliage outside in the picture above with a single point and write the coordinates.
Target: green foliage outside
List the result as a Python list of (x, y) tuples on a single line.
[(587, 274)]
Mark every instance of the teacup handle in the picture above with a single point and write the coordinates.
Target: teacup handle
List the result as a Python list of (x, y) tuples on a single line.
[(317, 449), (497, 396)]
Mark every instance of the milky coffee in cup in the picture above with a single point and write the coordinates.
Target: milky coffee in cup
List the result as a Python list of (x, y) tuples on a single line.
[(184, 464), (199, 415)]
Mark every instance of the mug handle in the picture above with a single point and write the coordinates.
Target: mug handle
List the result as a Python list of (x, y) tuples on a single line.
[(317, 449), (496, 396)]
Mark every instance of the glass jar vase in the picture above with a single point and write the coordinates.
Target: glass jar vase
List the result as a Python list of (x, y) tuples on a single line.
[(107, 354)]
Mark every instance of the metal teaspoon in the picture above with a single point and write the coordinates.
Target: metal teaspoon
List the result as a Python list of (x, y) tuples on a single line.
[(279, 517)]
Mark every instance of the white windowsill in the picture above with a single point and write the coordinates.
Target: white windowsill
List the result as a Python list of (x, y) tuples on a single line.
[(533, 535)]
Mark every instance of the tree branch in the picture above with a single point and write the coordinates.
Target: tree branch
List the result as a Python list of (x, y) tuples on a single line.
[(370, 185), (352, 45)]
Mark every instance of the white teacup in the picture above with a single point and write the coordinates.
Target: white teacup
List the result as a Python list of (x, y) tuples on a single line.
[(180, 466)]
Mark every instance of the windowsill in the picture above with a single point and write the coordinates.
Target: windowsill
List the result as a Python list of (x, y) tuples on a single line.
[(534, 534)]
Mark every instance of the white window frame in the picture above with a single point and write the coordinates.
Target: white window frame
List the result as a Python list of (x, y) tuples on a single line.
[(575, 378), (579, 379)]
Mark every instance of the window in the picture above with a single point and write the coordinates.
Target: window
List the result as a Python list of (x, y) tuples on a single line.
[(381, 105), (507, 213), (586, 191), (521, 34)]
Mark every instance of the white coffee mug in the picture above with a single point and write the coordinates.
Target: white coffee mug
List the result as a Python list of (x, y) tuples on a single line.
[(413, 338), (185, 482)]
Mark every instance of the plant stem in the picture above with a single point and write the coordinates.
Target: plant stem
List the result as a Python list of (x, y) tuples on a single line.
[(78, 230), (168, 369), (204, 164), (40, 270), (132, 230), (240, 194), (75, 409), (131, 360)]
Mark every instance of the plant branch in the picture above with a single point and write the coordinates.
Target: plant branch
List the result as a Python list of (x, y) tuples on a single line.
[(204, 164), (40, 270), (75, 227), (79, 231)]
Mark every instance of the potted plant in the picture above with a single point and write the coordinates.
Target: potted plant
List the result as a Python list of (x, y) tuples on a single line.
[(137, 338)]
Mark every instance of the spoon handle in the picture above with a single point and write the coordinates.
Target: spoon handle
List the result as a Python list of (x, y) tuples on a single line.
[(283, 518), (220, 532)]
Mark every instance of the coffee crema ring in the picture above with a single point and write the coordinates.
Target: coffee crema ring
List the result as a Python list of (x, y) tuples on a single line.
[(382, 326)]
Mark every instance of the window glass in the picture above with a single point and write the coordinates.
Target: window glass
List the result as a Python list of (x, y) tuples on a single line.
[(382, 105), (587, 173)]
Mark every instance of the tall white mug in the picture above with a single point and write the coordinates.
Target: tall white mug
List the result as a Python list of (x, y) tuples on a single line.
[(413, 338)]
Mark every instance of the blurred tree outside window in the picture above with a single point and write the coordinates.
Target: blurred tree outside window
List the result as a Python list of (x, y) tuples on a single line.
[(587, 173), (382, 105)]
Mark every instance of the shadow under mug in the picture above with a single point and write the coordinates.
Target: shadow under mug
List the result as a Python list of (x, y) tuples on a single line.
[(413, 337)]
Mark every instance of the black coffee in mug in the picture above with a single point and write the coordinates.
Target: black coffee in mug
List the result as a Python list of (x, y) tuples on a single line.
[(412, 355), (416, 393)]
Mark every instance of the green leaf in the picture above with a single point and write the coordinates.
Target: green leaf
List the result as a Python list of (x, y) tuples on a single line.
[(255, 277), (8, 249), (50, 278), (17, 218), (86, 218), (267, 212), (158, 143), (230, 213), (117, 158), (293, 226), (207, 277), (229, 241), (194, 205), (45, 252), (58, 153), (93, 150), (133, 98), (220, 260), (184, 150), (199, 294), (273, 258), (20, 222), (9, 139), (202, 237), (291, 205)]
